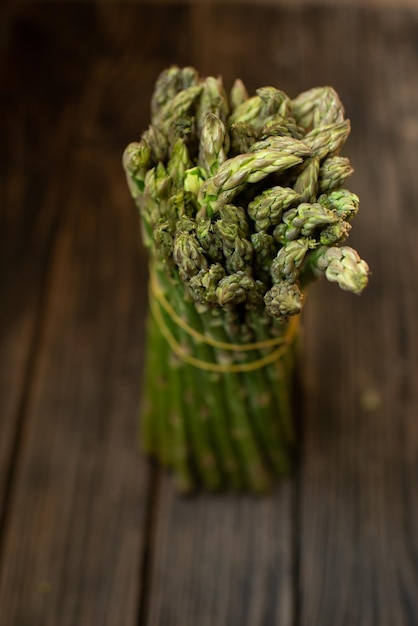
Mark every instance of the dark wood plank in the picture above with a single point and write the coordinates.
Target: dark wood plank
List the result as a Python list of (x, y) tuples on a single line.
[(222, 560), (74, 533), (359, 515), (36, 127), (75, 530)]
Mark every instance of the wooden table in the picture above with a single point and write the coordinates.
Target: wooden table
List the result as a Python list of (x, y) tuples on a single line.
[(91, 533)]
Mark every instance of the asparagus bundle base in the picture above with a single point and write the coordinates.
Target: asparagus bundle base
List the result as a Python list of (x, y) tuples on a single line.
[(243, 207)]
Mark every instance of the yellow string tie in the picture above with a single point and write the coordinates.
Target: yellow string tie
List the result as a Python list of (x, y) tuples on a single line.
[(157, 298)]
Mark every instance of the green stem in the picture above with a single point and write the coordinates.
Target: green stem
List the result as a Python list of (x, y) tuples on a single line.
[(262, 409), (195, 414), (212, 383), (177, 416), (154, 406), (254, 471), (266, 416), (176, 424), (198, 416), (279, 376)]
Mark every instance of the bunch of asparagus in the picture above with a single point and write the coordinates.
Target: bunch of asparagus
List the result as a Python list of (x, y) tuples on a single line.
[(242, 207)]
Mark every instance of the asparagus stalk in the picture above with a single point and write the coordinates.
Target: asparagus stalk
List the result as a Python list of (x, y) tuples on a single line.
[(154, 409), (202, 457), (179, 427), (254, 473)]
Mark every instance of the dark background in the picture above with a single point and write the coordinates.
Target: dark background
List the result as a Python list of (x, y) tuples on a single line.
[(90, 532)]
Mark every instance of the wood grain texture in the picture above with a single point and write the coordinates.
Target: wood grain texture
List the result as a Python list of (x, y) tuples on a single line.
[(222, 560), (36, 129), (74, 529), (361, 4), (359, 516), (88, 538)]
